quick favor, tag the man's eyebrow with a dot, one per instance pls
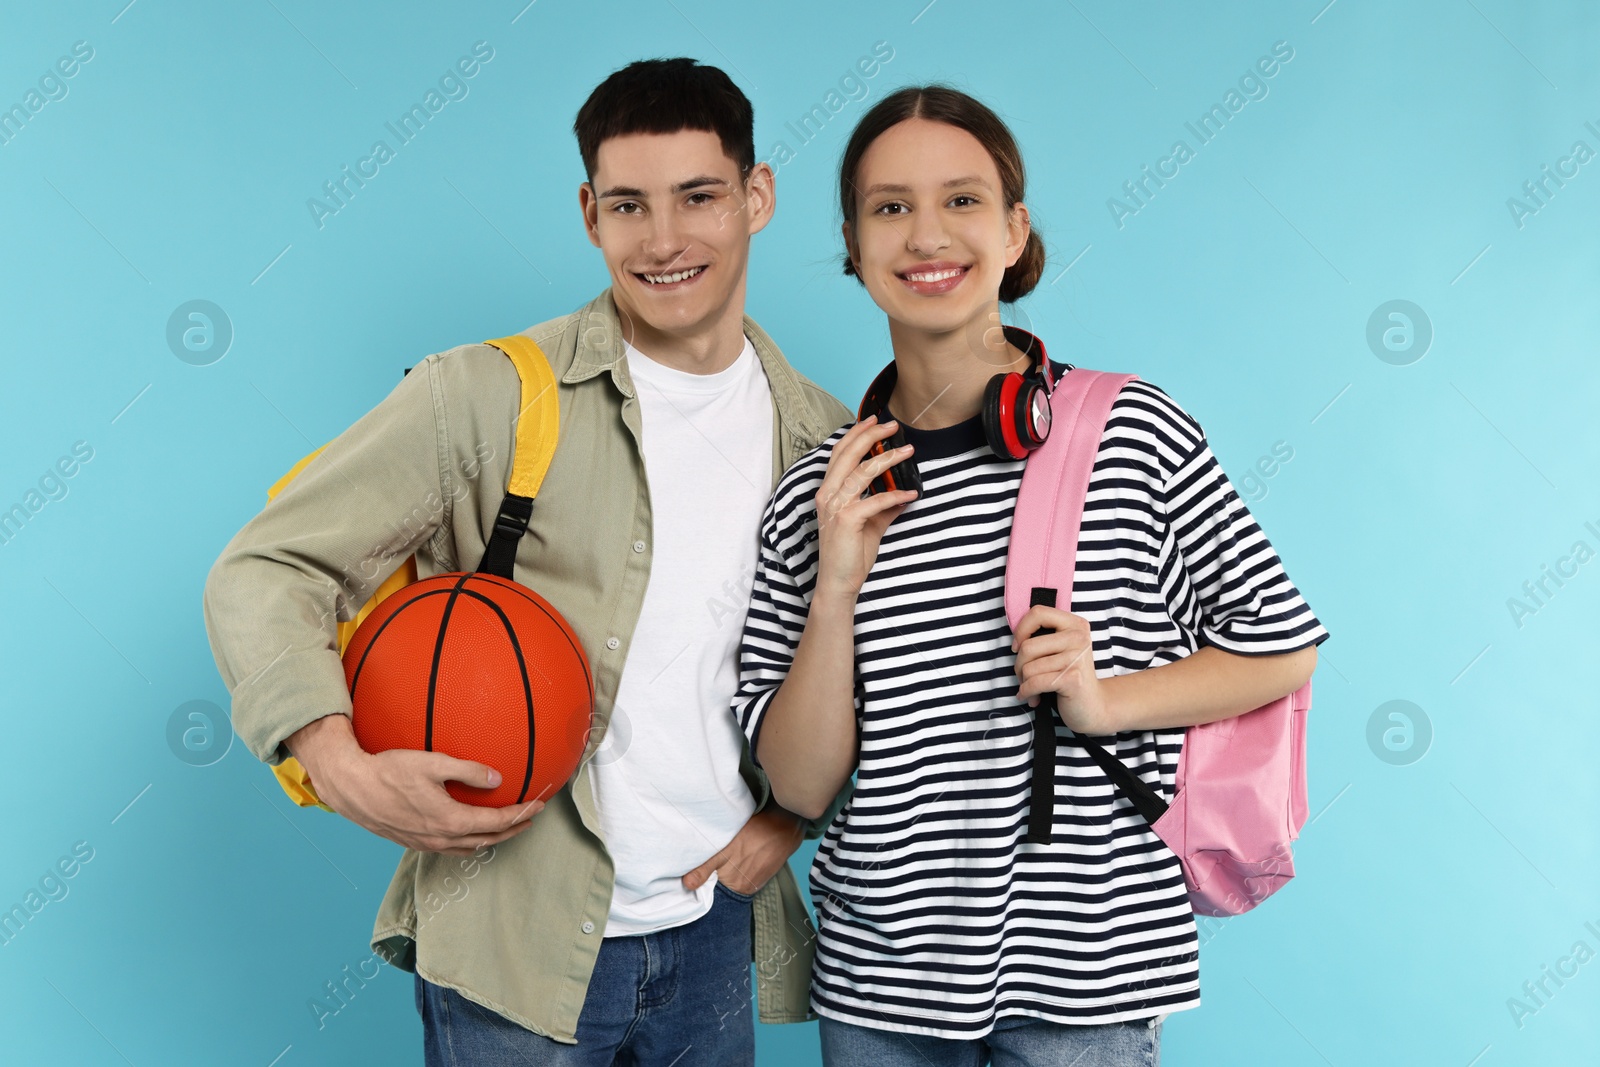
(697, 182)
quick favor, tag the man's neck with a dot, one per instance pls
(711, 346)
(940, 377)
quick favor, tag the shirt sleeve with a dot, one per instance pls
(772, 629)
(780, 602)
(313, 555)
(1233, 592)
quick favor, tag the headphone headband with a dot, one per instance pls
(1030, 345)
(876, 399)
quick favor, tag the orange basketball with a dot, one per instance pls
(480, 668)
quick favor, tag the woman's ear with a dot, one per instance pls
(850, 247)
(1018, 226)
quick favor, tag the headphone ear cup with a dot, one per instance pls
(1000, 420)
(991, 416)
(1031, 432)
(903, 475)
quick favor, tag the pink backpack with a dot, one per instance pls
(1240, 797)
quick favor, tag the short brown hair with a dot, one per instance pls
(665, 96)
(941, 103)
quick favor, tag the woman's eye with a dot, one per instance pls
(891, 209)
(963, 200)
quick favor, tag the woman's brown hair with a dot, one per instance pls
(941, 103)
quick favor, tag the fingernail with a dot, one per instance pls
(494, 777)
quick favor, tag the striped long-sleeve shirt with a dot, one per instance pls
(935, 916)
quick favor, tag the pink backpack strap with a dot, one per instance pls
(1239, 798)
(1043, 555)
(1044, 531)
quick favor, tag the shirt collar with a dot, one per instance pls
(600, 348)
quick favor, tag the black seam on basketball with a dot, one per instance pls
(438, 654)
(365, 652)
(583, 660)
(527, 687)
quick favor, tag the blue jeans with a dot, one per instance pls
(1014, 1042)
(678, 997)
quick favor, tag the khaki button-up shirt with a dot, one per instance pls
(517, 927)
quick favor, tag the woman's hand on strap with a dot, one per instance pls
(1204, 686)
(1062, 663)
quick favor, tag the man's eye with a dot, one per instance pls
(627, 207)
(700, 198)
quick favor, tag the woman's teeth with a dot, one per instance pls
(675, 276)
(933, 276)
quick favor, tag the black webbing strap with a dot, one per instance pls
(1141, 796)
(1041, 809)
(500, 554)
(1042, 805)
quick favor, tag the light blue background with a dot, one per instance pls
(1418, 500)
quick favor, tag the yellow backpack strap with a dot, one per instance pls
(538, 428)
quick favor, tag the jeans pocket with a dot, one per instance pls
(736, 895)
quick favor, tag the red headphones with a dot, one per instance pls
(1015, 414)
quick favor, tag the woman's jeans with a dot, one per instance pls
(678, 997)
(1014, 1042)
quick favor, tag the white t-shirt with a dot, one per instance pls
(667, 781)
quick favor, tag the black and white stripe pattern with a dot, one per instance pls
(934, 915)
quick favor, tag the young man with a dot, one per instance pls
(617, 921)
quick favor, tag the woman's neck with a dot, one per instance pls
(940, 377)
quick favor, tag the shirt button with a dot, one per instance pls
(588, 927)
(613, 644)
(638, 546)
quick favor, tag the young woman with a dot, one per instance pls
(877, 644)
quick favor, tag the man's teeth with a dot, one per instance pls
(675, 276)
(934, 275)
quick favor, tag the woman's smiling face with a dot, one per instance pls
(932, 236)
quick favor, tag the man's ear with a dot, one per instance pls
(760, 196)
(589, 204)
(1018, 226)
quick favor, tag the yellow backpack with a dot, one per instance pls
(538, 426)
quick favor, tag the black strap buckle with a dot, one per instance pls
(500, 554)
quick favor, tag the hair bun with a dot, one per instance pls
(1021, 277)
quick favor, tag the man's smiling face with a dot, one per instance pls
(673, 218)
